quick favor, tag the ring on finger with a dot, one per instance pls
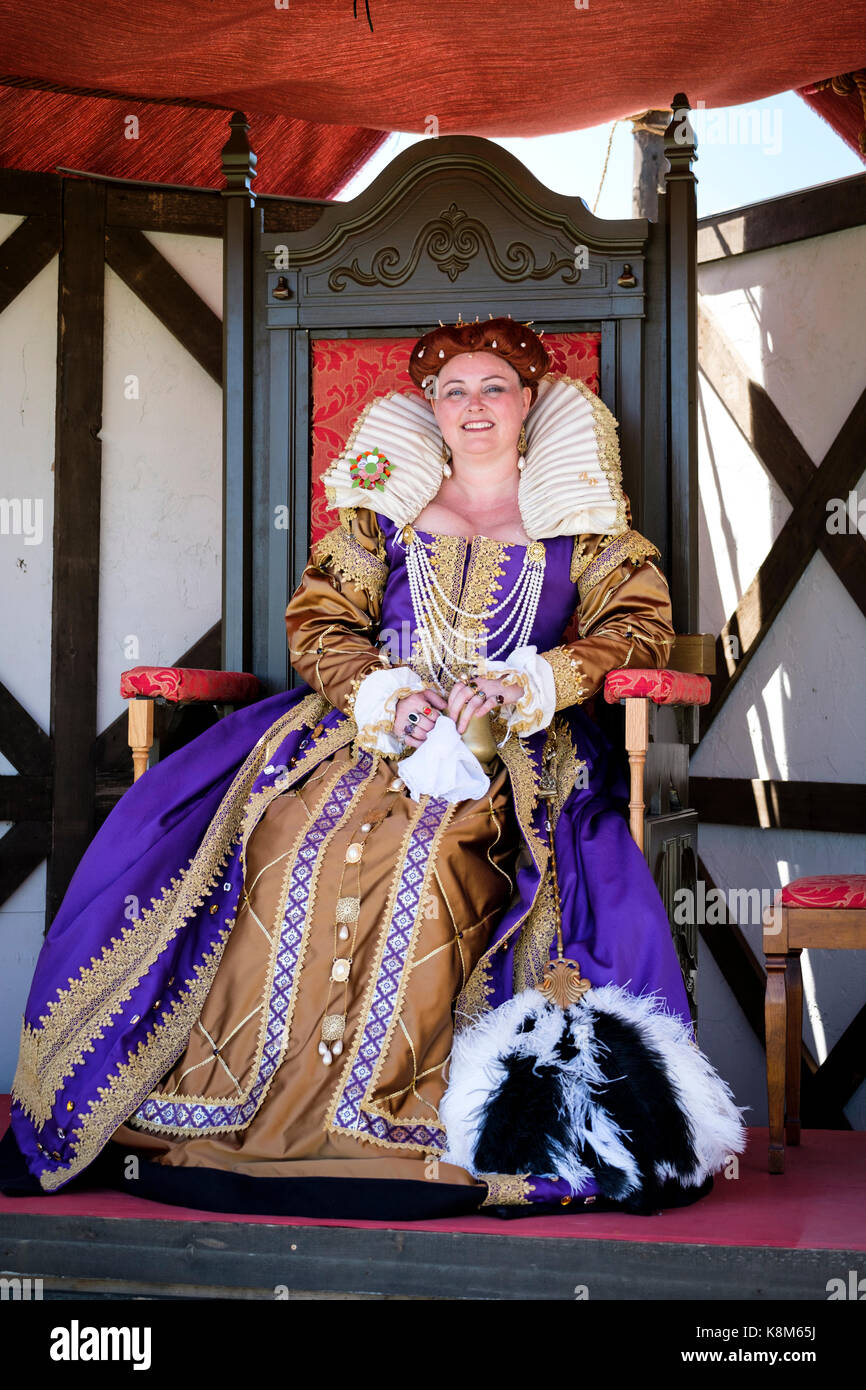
(413, 717)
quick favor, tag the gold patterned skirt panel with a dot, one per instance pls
(295, 1131)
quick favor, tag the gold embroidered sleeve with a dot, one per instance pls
(333, 616)
(623, 617)
(344, 551)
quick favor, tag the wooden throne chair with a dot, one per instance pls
(317, 320)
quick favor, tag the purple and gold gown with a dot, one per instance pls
(177, 1003)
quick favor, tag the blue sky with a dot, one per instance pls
(747, 153)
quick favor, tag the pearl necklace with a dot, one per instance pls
(436, 633)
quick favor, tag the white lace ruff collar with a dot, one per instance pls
(571, 482)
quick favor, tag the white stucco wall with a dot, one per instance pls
(161, 514)
(161, 523)
(795, 317)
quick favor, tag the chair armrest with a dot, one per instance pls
(185, 685)
(662, 687)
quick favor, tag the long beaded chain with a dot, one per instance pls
(436, 632)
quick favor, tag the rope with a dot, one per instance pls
(604, 170)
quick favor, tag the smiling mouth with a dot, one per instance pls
(477, 425)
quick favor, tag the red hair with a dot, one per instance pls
(513, 341)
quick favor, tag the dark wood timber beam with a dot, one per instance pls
(191, 212)
(844, 1070)
(787, 559)
(77, 489)
(832, 807)
(25, 798)
(770, 436)
(808, 212)
(238, 166)
(23, 192)
(22, 741)
(24, 253)
(167, 295)
(682, 363)
(737, 961)
(22, 850)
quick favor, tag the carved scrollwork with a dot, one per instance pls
(452, 241)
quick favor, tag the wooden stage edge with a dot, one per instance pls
(755, 1238)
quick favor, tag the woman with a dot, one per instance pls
(276, 1032)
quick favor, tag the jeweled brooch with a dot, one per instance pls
(370, 470)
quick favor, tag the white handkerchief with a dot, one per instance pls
(443, 766)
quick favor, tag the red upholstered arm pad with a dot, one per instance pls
(184, 685)
(826, 890)
(662, 687)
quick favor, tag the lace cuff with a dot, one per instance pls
(375, 706)
(537, 705)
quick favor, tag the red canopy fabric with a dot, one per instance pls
(42, 130)
(841, 101)
(490, 69)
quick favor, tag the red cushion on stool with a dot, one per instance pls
(662, 687)
(826, 890)
(186, 685)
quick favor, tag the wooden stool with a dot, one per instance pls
(827, 911)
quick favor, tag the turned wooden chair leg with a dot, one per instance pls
(140, 734)
(637, 742)
(793, 1045)
(775, 1030)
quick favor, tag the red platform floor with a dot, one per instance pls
(818, 1203)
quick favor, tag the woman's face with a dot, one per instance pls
(480, 403)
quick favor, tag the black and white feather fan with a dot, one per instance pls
(612, 1088)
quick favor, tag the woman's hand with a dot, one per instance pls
(464, 703)
(419, 700)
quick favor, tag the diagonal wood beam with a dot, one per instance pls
(789, 555)
(24, 253)
(773, 441)
(737, 961)
(25, 798)
(22, 850)
(844, 1070)
(175, 303)
(22, 740)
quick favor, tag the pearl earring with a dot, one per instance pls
(446, 470)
